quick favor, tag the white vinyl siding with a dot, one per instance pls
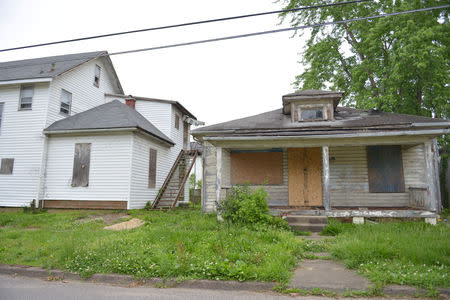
(26, 96)
(66, 102)
(21, 138)
(140, 193)
(84, 94)
(109, 176)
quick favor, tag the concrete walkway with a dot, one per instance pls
(328, 275)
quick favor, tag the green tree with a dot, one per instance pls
(396, 64)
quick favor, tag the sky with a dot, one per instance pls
(217, 82)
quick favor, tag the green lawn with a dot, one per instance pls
(172, 244)
(408, 253)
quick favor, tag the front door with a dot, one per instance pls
(305, 176)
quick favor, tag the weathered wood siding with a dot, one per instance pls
(349, 177)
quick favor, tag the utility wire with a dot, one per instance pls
(182, 25)
(258, 33)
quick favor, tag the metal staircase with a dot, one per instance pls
(173, 187)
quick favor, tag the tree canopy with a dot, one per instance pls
(396, 64)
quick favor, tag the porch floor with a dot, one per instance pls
(355, 212)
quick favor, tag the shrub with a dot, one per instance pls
(246, 206)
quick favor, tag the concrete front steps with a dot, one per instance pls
(307, 223)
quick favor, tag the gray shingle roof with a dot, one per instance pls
(111, 115)
(312, 93)
(276, 123)
(44, 67)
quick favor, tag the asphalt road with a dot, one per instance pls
(12, 288)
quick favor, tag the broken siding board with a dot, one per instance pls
(81, 163)
(152, 168)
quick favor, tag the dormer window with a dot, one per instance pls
(311, 105)
(310, 114)
(97, 75)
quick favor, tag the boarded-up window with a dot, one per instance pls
(385, 169)
(177, 121)
(7, 166)
(257, 167)
(1, 113)
(81, 162)
(152, 169)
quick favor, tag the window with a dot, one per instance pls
(311, 114)
(97, 75)
(257, 167)
(1, 113)
(81, 162)
(7, 166)
(152, 169)
(177, 121)
(26, 97)
(66, 102)
(385, 166)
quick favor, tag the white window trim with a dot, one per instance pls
(60, 103)
(20, 96)
(99, 75)
(2, 104)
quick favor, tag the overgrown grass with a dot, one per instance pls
(407, 253)
(172, 244)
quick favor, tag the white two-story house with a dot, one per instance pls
(70, 138)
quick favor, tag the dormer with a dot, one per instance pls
(311, 105)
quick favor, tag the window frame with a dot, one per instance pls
(177, 121)
(2, 109)
(3, 170)
(379, 167)
(61, 102)
(301, 108)
(97, 82)
(152, 167)
(22, 87)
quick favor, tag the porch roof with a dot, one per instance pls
(347, 120)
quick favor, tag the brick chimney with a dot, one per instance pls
(131, 102)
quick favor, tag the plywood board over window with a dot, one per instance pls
(81, 163)
(7, 165)
(152, 169)
(385, 167)
(257, 167)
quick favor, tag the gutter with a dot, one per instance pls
(434, 124)
(125, 129)
(30, 80)
(327, 136)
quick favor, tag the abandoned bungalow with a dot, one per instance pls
(319, 159)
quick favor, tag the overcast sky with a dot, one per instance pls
(217, 82)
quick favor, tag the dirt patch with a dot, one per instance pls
(133, 223)
(107, 218)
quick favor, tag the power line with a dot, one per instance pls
(182, 25)
(259, 33)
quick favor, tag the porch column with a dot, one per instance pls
(432, 158)
(326, 178)
(218, 175)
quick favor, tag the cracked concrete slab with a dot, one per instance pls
(327, 274)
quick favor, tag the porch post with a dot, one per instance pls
(433, 185)
(218, 175)
(326, 178)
